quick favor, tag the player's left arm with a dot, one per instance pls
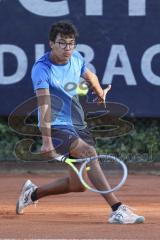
(92, 79)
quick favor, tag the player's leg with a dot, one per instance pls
(67, 184)
(75, 184)
(81, 149)
(121, 214)
(31, 193)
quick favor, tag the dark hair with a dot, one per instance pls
(65, 28)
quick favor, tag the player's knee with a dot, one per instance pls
(89, 151)
(83, 151)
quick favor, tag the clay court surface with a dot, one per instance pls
(78, 215)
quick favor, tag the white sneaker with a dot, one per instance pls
(124, 215)
(25, 196)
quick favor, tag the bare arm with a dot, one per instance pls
(94, 82)
(44, 105)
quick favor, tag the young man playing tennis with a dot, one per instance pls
(60, 113)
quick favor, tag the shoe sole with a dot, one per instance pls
(17, 209)
(22, 192)
(138, 220)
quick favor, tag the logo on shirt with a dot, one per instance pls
(39, 82)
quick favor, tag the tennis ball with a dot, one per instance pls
(82, 89)
(88, 168)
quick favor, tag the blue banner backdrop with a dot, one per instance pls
(120, 41)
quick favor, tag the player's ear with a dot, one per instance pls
(51, 44)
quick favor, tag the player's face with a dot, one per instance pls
(62, 48)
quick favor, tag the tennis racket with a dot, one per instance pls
(106, 173)
(100, 169)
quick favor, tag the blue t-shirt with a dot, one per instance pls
(62, 81)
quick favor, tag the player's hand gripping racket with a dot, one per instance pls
(106, 172)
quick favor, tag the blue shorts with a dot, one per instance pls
(63, 138)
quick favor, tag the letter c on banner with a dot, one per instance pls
(45, 8)
(146, 65)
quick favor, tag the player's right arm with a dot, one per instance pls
(40, 80)
(44, 106)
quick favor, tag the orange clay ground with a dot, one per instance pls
(78, 215)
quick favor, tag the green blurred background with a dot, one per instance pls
(140, 145)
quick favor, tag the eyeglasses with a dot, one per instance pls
(63, 45)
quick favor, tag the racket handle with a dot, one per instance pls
(59, 158)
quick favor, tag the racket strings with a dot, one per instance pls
(97, 176)
(104, 174)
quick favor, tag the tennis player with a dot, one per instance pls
(61, 119)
